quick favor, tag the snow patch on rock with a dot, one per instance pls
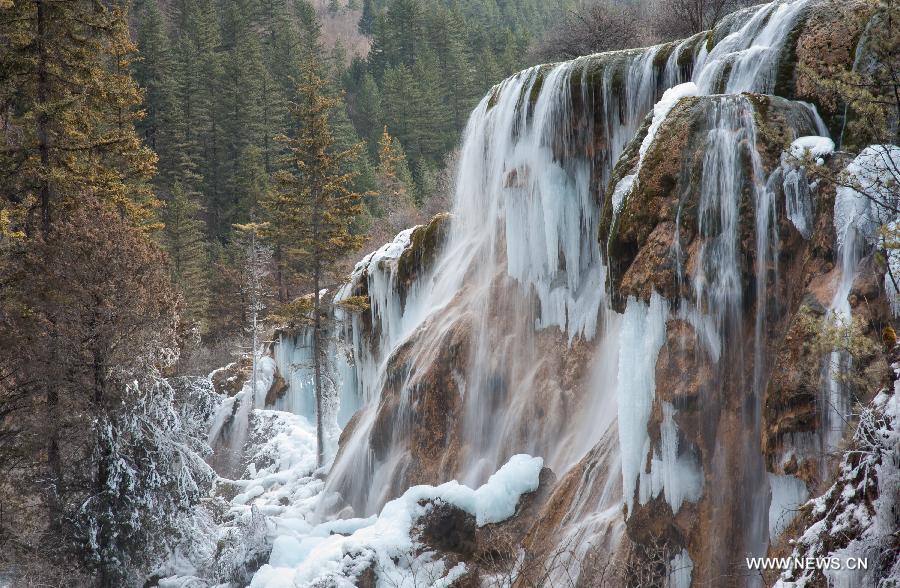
(336, 552)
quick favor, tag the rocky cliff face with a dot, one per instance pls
(632, 285)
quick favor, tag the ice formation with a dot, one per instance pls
(788, 495)
(681, 567)
(642, 335)
(335, 552)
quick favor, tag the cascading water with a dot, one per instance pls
(230, 427)
(520, 285)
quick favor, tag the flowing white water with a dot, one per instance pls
(522, 264)
(230, 426)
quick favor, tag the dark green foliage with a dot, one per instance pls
(183, 239)
(430, 63)
(218, 76)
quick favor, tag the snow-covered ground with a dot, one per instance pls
(274, 528)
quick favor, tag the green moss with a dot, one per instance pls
(536, 87)
(785, 76)
(355, 304)
(721, 83)
(686, 57)
(658, 184)
(761, 105)
(618, 82)
(423, 247)
(662, 56)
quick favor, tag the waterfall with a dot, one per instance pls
(521, 260)
(520, 285)
(231, 424)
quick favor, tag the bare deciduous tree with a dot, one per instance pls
(592, 26)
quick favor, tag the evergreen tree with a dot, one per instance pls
(154, 72)
(122, 475)
(242, 114)
(312, 210)
(394, 178)
(366, 111)
(183, 239)
(69, 106)
(367, 20)
(447, 34)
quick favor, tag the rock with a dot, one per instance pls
(517, 178)
(827, 45)
(791, 399)
(368, 578)
(230, 379)
(454, 535)
(666, 193)
(277, 390)
(683, 365)
(424, 244)
(654, 267)
(654, 522)
(447, 528)
(430, 419)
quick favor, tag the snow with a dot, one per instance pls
(856, 516)
(661, 110)
(285, 484)
(815, 146)
(388, 252)
(623, 189)
(334, 552)
(642, 336)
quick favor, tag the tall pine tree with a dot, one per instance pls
(312, 211)
(69, 106)
(184, 240)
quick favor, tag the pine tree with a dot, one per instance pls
(199, 79)
(154, 72)
(100, 286)
(69, 106)
(183, 239)
(366, 112)
(312, 210)
(394, 178)
(447, 32)
(367, 20)
(242, 114)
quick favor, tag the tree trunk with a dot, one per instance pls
(279, 276)
(54, 463)
(43, 97)
(317, 369)
(102, 479)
